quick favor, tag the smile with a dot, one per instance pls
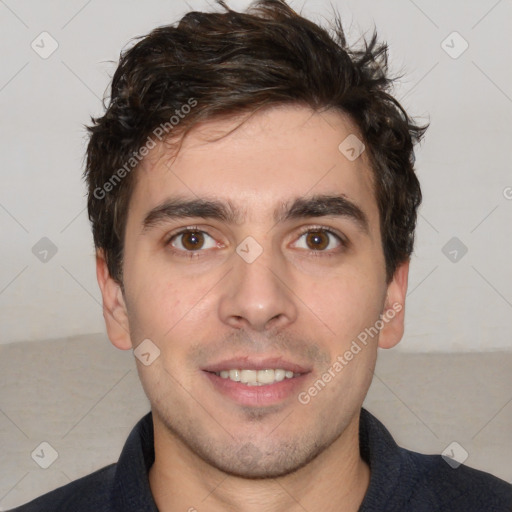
(257, 377)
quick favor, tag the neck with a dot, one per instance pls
(336, 480)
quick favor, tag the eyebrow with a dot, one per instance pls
(175, 208)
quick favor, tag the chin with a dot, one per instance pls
(249, 462)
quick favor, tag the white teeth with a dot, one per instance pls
(265, 376)
(257, 377)
(279, 375)
(234, 375)
(248, 376)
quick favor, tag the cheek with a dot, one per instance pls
(156, 302)
(167, 308)
(347, 301)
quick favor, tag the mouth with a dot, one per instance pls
(257, 377)
(252, 382)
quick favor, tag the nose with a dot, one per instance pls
(256, 295)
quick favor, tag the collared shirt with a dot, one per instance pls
(400, 480)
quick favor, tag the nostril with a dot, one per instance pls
(276, 319)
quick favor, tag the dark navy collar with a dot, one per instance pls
(131, 481)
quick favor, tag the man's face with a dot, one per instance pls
(275, 288)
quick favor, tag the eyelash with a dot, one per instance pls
(315, 254)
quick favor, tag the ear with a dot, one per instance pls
(114, 307)
(394, 308)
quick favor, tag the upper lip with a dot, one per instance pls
(256, 363)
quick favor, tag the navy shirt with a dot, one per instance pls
(401, 480)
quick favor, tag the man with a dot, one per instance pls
(253, 203)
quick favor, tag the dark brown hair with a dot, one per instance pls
(211, 65)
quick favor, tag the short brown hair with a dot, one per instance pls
(231, 63)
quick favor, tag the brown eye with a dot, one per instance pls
(317, 240)
(192, 240)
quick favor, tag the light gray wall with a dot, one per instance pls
(464, 164)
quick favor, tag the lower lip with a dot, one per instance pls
(268, 394)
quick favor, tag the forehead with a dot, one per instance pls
(274, 156)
